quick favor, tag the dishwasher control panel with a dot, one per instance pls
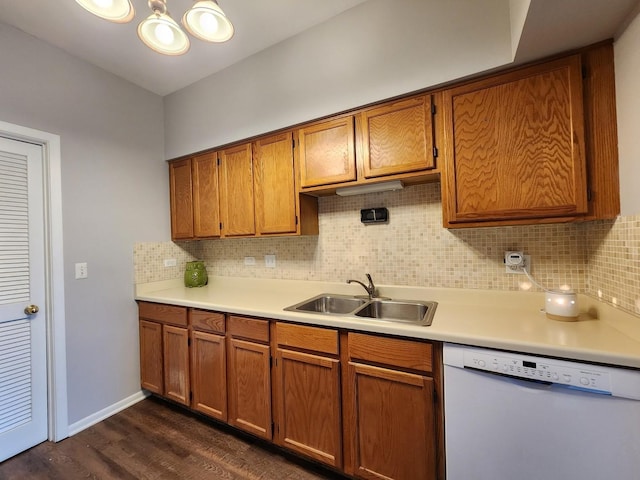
(582, 376)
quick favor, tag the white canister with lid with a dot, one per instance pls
(561, 305)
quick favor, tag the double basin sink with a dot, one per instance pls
(401, 311)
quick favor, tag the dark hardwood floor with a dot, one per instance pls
(156, 440)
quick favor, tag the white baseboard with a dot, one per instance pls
(86, 422)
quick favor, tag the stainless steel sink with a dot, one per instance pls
(412, 312)
(405, 311)
(331, 304)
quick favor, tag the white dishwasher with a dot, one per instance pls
(512, 416)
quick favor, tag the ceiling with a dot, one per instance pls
(117, 49)
(550, 26)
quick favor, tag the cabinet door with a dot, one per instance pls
(309, 420)
(249, 387)
(180, 191)
(274, 184)
(514, 146)
(236, 191)
(206, 216)
(151, 357)
(326, 153)
(397, 137)
(394, 421)
(176, 364)
(208, 370)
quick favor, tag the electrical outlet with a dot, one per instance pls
(516, 262)
(270, 261)
(170, 262)
(82, 271)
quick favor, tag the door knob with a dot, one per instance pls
(31, 309)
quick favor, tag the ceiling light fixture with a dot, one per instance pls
(118, 11)
(204, 20)
(161, 33)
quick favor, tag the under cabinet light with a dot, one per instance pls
(370, 188)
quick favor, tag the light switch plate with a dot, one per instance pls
(249, 260)
(170, 262)
(82, 271)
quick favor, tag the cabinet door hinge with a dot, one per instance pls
(293, 143)
(296, 219)
(190, 396)
(585, 73)
(433, 109)
(435, 152)
(220, 225)
(218, 161)
(589, 195)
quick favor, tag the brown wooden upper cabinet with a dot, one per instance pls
(237, 209)
(180, 189)
(206, 210)
(275, 195)
(240, 191)
(389, 141)
(327, 152)
(514, 148)
(194, 197)
(397, 137)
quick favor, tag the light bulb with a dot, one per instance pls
(118, 11)
(164, 34)
(104, 3)
(208, 22)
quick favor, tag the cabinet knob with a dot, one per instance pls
(31, 309)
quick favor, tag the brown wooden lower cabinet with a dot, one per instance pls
(175, 342)
(362, 404)
(164, 351)
(249, 376)
(151, 376)
(389, 410)
(308, 393)
(209, 374)
(394, 424)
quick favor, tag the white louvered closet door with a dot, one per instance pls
(23, 369)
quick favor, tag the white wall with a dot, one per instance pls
(378, 49)
(627, 64)
(114, 193)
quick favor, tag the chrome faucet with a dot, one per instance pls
(371, 288)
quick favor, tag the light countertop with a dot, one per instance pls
(487, 318)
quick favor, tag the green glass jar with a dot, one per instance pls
(195, 274)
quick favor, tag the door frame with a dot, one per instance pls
(58, 422)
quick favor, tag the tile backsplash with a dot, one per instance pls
(414, 249)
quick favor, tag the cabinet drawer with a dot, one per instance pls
(249, 328)
(391, 351)
(308, 338)
(163, 313)
(205, 321)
